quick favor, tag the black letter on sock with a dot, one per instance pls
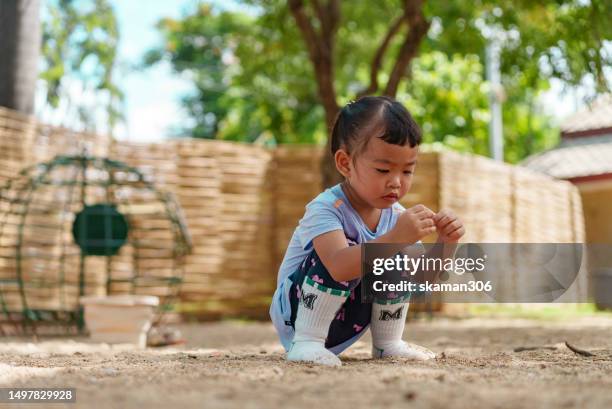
(308, 300)
(387, 315)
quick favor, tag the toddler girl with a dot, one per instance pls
(317, 308)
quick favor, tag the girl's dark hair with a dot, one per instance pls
(370, 116)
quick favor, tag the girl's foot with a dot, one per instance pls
(314, 352)
(403, 349)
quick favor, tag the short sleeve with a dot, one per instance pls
(398, 208)
(319, 218)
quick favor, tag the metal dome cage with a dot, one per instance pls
(82, 225)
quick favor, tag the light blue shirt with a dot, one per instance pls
(329, 211)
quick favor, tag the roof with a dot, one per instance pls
(586, 146)
(596, 117)
(576, 158)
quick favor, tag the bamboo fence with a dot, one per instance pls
(242, 202)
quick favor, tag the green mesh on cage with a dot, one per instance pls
(81, 225)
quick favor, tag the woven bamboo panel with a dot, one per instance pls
(38, 232)
(224, 190)
(543, 210)
(241, 204)
(577, 219)
(580, 287)
(157, 161)
(245, 224)
(25, 141)
(48, 216)
(17, 131)
(425, 186)
(425, 190)
(547, 211)
(479, 191)
(297, 181)
(148, 261)
(199, 193)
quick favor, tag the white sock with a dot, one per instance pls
(316, 311)
(387, 326)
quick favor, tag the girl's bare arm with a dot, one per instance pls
(344, 262)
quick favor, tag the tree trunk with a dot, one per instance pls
(20, 39)
(320, 46)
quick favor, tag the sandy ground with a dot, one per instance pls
(241, 365)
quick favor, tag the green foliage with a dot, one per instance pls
(197, 45)
(449, 98)
(259, 84)
(80, 44)
(541, 39)
(249, 82)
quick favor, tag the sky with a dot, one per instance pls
(153, 95)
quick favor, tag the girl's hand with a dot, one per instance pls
(413, 224)
(450, 228)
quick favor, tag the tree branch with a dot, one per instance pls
(320, 50)
(378, 57)
(312, 40)
(329, 17)
(333, 11)
(417, 28)
(322, 16)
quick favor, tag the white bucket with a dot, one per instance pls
(120, 319)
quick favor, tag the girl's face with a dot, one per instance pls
(381, 174)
